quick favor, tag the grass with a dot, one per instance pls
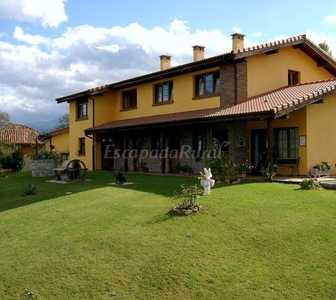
(255, 240)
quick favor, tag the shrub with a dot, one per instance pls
(188, 199)
(221, 167)
(12, 159)
(310, 184)
(268, 175)
(30, 189)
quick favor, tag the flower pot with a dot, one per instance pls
(242, 174)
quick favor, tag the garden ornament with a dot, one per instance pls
(207, 183)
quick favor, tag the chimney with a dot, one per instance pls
(237, 41)
(164, 62)
(198, 52)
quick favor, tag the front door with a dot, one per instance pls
(259, 149)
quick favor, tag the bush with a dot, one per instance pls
(310, 184)
(12, 159)
(221, 167)
(268, 175)
(189, 200)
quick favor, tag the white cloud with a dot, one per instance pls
(258, 34)
(330, 19)
(28, 38)
(110, 48)
(236, 29)
(34, 70)
(319, 37)
(48, 13)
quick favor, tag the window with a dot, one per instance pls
(207, 84)
(82, 109)
(164, 92)
(293, 77)
(287, 142)
(129, 99)
(81, 146)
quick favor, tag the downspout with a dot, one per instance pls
(93, 140)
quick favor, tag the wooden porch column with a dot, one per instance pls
(125, 148)
(270, 144)
(163, 159)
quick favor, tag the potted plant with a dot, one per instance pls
(189, 170)
(178, 166)
(143, 167)
(242, 168)
(44, 153)
(322, 169)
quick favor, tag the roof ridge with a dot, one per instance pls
(272, 43)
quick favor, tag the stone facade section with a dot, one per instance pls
(42, 167)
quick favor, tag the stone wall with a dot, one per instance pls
(42, 167)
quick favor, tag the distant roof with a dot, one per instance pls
(274, 104)
(301, 42)
(19, 134)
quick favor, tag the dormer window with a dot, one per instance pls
(293, 77)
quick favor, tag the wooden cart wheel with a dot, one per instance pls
(59, 172)
(76, 169)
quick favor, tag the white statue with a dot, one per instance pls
(206, 182)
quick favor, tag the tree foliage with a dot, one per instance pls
(11, 156)
(4, 119)
(63, 121)
(325, 47)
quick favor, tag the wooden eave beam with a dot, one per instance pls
(274, 51)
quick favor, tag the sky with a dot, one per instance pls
(50, 49)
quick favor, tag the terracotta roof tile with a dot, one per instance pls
(271, 44)
(19, 134)
(274, 103)
(285, 97)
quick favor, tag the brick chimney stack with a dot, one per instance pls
(198, 52)
(164, 62)
(237, 41)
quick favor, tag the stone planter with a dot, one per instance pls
(42, 167)
(316, 172)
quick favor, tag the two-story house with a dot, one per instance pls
(271, 100)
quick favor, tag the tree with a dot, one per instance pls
(63, 121)
(325, 47)
(11, 156)
(4, 119)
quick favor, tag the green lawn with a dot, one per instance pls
(254, 240)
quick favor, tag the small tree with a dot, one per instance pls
(325, 47)
(62, 121)
(4, 119)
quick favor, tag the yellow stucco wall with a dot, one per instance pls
(61, 142)
(321, 129)
(76, 131)
(295, 119)
(269, 72)
(183, 98)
